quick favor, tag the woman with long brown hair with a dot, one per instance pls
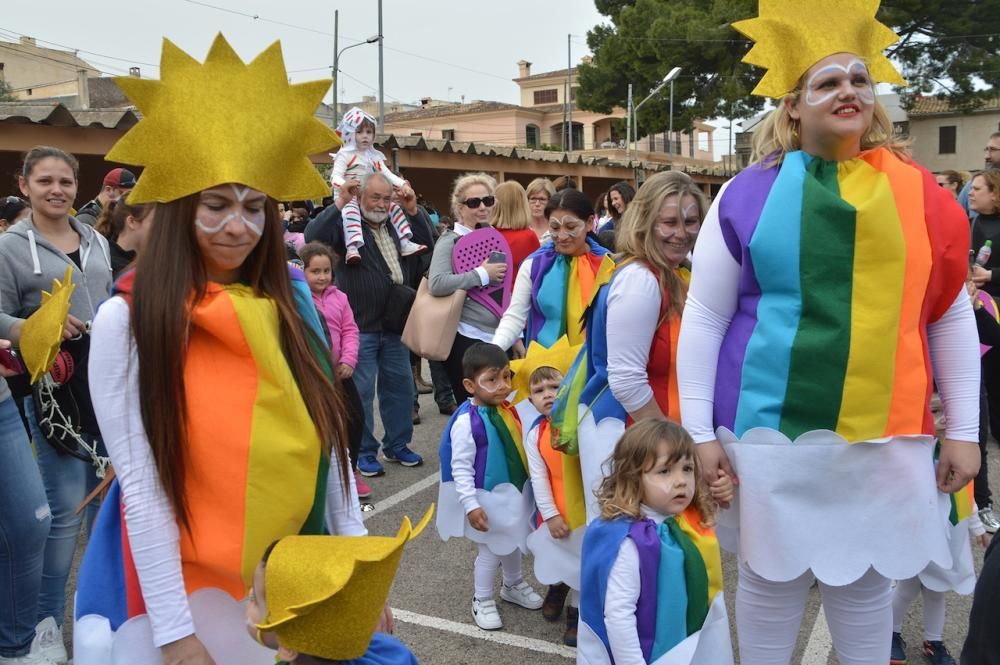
(216, 395)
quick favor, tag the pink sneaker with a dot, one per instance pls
(364, 491)
(353, 256)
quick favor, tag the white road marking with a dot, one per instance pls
(820, 644)
(390, 501)
(468, 630)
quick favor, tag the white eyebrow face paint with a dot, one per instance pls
(255, 225)
(865, 93)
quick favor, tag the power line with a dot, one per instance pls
(12, 34)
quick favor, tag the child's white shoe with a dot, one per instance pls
(486, 615)
(353, 256)
(521, 594)
(408, 248)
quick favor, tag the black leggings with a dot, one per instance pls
(453, 366)
(355, 419)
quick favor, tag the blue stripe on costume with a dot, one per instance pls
(101, 585)
(444, 451)
(385, 650)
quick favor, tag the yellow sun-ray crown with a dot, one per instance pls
(559, 356)
(42, 332)
(224, 121)
(793, 35)
(325, 593)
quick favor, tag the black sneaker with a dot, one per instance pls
(897, 654)
(937, 653)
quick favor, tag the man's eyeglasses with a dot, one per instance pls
(991, 148)
(476, 201)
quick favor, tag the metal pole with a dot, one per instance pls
(569, 91)
(628, 125)
(671, 151)
(381, 89)
(336, 72)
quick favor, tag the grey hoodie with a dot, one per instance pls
(29, 263)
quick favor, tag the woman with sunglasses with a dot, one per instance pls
(555, 284)
(472, 201)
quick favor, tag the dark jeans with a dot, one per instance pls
(982, 645)
(443, 395)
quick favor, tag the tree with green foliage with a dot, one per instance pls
(6, 92)
(950, 48)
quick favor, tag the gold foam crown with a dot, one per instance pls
(324, 594)
(224, 121)
(42, 332)
(559, 356)
(792, 35)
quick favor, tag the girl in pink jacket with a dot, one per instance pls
(318, 263)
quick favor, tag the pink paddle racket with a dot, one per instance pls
(469, 253)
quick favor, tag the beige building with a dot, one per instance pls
(35, 72)
(539, 122)
(945, 138)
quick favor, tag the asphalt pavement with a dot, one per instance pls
(432, 594)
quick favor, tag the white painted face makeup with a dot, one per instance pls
(212, 223)
(824, 84)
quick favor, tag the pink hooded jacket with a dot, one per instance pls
(344, 337)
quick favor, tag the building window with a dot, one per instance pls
(946, 140)
(448, 134)
(416, 133)
(550, 96)
(531, 134)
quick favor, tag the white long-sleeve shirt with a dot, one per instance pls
(712, 302)
(512, 322)
(540, 485)
(463, 461)
(365, 162)
(634, 303)
(622, 598)
(153, 534)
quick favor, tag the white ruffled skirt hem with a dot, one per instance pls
(507, 509)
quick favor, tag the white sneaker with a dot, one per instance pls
(521, 594)
(408, 248)
(486, 615)
(48, 643)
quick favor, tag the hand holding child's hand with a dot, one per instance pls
(722, 488)
(478, 520)
(344, 371)
(557, 527)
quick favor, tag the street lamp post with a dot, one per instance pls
(669, 78)
(336, 70)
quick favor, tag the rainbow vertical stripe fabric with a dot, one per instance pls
(843, 265)
(500, 456)
(246, 419)
(562, 288)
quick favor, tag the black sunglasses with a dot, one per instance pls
(475, 201)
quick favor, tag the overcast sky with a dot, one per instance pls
(469, 47)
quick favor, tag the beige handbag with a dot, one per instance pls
(433, 322)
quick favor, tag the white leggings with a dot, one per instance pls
(769, 615)
(904, 595)
(485, 571)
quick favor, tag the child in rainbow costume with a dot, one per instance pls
(652, 572)
(318, 598)
(556, 484)
(166, 572)
(826, 299)
(484, 493)
(357, 158)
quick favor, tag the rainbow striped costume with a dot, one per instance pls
(680, 572)
(245, 420)
(843, 265)
(562, 288)
(500, 472)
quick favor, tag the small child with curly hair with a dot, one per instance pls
(651, 570)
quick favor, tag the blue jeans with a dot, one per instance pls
(384, 362)
(67, 481)
(24, 526)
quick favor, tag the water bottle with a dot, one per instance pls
(984, 253)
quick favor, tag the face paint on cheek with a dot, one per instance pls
(256, 225)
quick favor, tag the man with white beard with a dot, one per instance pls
(376, 288)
